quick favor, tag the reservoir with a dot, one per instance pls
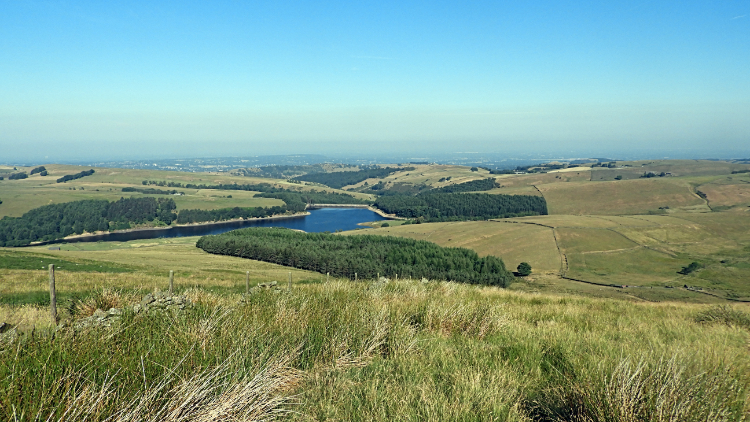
(319, 220)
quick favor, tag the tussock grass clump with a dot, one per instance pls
(227, 391)
(105, 299)
(724, 314)
(677, 389)
(403, 350)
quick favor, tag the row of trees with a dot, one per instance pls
(338, 180)
(56, 221)
(39, 170)
(149, 191)
(224, 214)
(464, 206)
(366, 256)
(259, 187)
(18, 176)
(472, 186)
(70, 177)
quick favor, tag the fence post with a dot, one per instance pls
(327, 275)
(396, 277)
(171, 282)
(378, 279)
(52, 294)
(355, 276)
(247, 282)
(290, 281)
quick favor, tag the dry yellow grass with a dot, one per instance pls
(620, 197)
(727, 195)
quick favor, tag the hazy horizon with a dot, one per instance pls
(137, 80)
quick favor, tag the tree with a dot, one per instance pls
(382, 225)
(690, 268)
(618, 177)
(18, 176)
(474, 169)
(524, 269)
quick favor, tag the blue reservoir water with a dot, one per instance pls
(319, 220)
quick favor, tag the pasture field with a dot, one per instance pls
(20, 196)
(644, 251)
(135, 267)
(676, 168)
(623, 197)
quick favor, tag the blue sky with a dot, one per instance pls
(111, 79)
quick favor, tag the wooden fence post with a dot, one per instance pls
(327, 275)
(247, 282)
(52, 294)
(355, 276)
(171, 282)
(290, 281)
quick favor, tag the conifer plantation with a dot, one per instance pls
(56, 221)
(465, 206)
(366, 256)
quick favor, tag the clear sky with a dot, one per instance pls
(112, 79)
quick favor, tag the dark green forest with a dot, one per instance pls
(463, 206)
(56, 221)
(338, 180)
(297, 201)
(70, 177)
(224, 214)
(472, 186)
(367, 255)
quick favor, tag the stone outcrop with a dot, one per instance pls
(152, 302)
(161, 301)
(100, 319)
(272, 286)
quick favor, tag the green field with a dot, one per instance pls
(644, 251)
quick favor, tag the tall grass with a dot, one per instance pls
(396, 351)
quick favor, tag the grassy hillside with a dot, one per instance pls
(429, 175)
(372, 351)
(622, 197)
(594, 191)
(20, 196)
